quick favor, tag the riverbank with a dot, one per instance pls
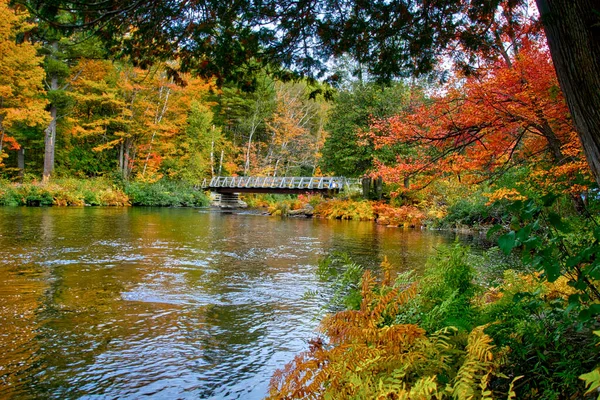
(463, 217)
(100, 192)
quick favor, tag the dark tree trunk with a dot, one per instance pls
(573, 32)
(50, 144)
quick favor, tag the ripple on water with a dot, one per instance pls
(173, 303)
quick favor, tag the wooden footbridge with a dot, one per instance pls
(277, 184)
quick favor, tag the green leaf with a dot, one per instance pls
(549, 199)
(595, 309)
(592, 380)
(530, 210)
(597, 233)
(593, 270)
(589, 313)
(524, 233)
(557, 222)
(552, 270)
(516, 206)
(574, 299)
(573, 261)
(493, 230)
(507, 242)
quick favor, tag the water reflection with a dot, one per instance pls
(166, 303)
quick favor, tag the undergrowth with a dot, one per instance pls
(63, 192)
(447, 334)
(99, 192)
(165, 193)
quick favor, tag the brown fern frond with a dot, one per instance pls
(368, 283)
(407, 294)
(386, 267)
(400, 336)
(386, 303)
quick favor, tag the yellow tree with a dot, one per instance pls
(296, 132)
(21, 77)
(132, 117)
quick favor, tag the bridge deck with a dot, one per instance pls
(275, 184)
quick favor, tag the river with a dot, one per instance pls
(167, 303)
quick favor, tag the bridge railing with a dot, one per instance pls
(277, 182)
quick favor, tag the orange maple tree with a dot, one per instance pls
(511, 112)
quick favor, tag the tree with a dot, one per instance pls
(226, 39)
(348, 150)
(573, 32)
(244, 116)
(21, 76)
(509, 115)
(133, 117)
(296, 130)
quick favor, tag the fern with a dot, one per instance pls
(367, 357)
(476, 368)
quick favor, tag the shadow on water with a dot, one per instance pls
(167, 303)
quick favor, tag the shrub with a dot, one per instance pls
(407, 216)
(165, 194)
(366, 357)
(445, 336)
(345, 209)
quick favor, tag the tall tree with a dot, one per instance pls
(509, 115)
(224, 39)
(573, 32)
(244, 116)
(296, 130)
(21, 77)
(348, 150)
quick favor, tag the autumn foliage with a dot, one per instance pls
(21, 77)
(407, 215)
(509, 113)
(364, 355)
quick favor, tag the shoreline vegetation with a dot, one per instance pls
(472, 327)
(468, 217)
(100, 192)
(462, 215)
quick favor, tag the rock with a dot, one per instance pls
(309, 210)
(306, 211)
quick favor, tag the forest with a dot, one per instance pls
(471, 113)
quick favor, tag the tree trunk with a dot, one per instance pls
(221, 163)
(50, 141)
(126, 161)
(573, 32)
(21, 162)
(1, 141)
(121, 155)
(212, 151)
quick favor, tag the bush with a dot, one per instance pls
(366, 356)
(165, 194)
(407, 216)
(446, 337)
(345, 209)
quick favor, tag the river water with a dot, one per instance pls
(167, 303)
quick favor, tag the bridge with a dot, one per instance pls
(229, 187)
(276, 184)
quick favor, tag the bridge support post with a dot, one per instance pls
(231, 200)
